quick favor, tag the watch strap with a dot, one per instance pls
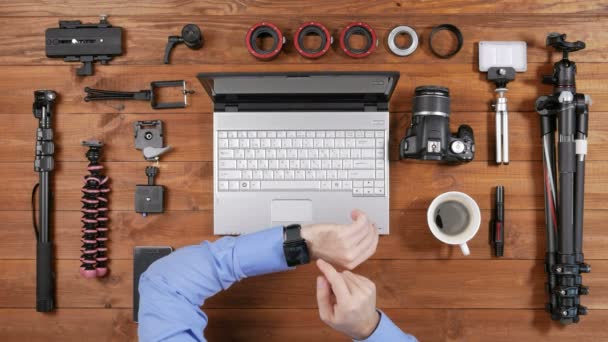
(294, 246)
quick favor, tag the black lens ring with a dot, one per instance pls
(455, 30)
(360, 30)
(262, 30)
(432, 90)
(314, 30)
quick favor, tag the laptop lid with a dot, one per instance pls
(300, 91)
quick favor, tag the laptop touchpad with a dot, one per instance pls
(291, 211)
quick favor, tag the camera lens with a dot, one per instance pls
(432, 100)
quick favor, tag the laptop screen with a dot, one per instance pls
(299, 91)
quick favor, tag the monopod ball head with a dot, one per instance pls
(101, 271)
(192, 36)
(88, 273)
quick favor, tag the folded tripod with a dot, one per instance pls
(567, 112)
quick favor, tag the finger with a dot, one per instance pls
(359, 227)
(354, 285)
(371, 234)
(358, 232)
(324, 299)
(361, 281)
(355, 213)
(335, 280)
(366, 249)
(371, 248)
(358, 216)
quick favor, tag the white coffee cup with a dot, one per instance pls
(454, 218)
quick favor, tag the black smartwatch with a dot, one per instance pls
(294, 247)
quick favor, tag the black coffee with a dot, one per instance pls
(452, 217)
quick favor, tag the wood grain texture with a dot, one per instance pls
(436, 284)
(409, 239)
(191, 136)
(278, 325)
(294, 7)
(469, 90)
(190, 184)
(224, 38)
(427, 288)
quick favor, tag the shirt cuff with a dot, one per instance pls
(261, 252)
(387, 331)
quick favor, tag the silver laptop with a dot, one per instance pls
(299, 148)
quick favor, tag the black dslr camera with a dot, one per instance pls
(429, 138)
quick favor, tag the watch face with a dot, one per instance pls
(297, 255)
(294, 247)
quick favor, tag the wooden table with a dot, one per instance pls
(427, 288)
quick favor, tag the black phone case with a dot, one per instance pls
(143, 257)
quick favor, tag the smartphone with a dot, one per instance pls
(143, 257)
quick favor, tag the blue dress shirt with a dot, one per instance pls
(174, 288)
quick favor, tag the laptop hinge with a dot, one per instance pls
(231, 108)
(368, 107)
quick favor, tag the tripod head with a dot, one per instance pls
(559, 43)
(43, 106)
(564, 71)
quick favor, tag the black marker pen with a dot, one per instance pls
(499, 221)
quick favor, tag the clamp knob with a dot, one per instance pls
(153, 153)
(191, 36)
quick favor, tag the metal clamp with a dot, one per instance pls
(149, 139)
(143, 95)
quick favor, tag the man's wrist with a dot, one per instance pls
(308, 234)
(371, 326)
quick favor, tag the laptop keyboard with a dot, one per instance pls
(346, 161)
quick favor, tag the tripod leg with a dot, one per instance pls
(582, 121)
(548, 145)
(566, 165)
(45, 279)
(505, 136)
(498, 137)
(579, 198)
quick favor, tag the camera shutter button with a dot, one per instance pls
(457, 147)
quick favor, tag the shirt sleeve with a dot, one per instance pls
(388, 331)
(174, 287)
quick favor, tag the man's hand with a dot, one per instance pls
(343, 245)
(347, 301)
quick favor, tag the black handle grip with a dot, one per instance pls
(171, 42)
(45, 278)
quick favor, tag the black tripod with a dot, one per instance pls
(44, 164)
(567, 111)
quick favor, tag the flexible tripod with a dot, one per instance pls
(94, 258)
(567, 112)
(43, 164)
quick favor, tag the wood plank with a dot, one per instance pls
(381, 8)
(304, 325)
(400, 283)
(409, 238)
(427, 325)
(427, 288)
(146, 38)
(191, 136)
(189, 185)
(67, 325)
(413, 184)
(469, 90)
